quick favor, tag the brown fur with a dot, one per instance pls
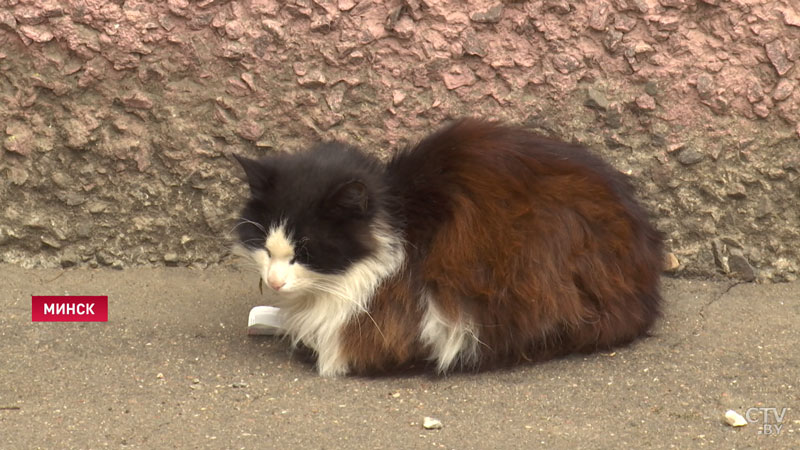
(538, 241)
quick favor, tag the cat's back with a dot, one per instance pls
(505, 172)
(472, 150)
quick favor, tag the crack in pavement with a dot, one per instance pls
(696, 331)
(699, 327)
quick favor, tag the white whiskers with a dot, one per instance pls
(243, 221)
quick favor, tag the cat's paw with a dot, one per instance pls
(332, 370)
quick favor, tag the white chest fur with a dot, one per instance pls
(319, 306)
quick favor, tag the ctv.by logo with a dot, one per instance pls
(770, 418)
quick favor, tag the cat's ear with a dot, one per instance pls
(350, 197)
(259, 176)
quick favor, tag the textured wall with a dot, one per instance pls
(117, 117)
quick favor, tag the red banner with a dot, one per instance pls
(69, 308)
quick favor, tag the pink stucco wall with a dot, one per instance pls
(117, 117)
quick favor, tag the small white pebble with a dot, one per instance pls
(429, 423)
(735, 419)
(160, 376)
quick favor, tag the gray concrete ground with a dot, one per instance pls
(173, 368)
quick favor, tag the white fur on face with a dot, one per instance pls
(275, 263)
(278, 268)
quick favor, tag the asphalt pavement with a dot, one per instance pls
(174, 368)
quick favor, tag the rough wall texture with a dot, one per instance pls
(117, 118)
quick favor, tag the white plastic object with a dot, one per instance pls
(264, 320)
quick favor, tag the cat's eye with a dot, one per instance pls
(293, 260)
(269, 254)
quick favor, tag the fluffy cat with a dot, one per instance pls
(482, 245)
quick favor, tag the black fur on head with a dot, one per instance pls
(327, 197)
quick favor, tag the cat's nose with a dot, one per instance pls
(277, 285)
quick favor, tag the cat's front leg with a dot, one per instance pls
(331, 362)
